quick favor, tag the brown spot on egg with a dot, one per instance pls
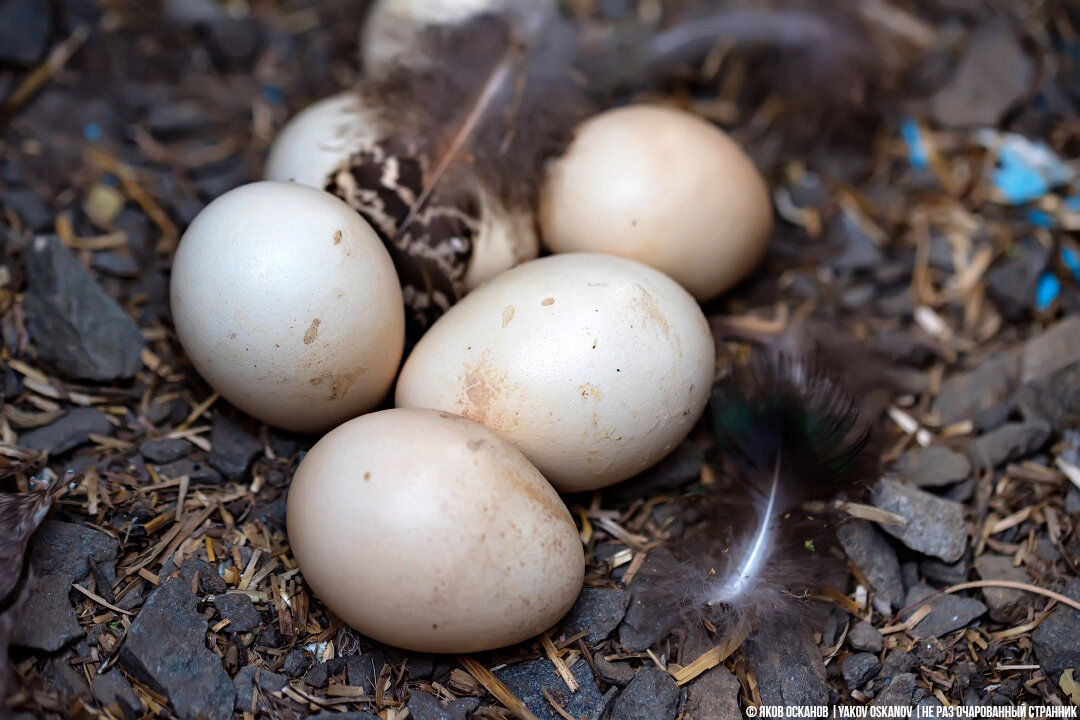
(475, 445)
(508, 315)
(547, 301)
(485, 386)
(337, 237)
(312, 332)
(339, 383)
(590, 392)
(367, 476)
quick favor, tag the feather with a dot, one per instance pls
(789, 434)
(20, 516)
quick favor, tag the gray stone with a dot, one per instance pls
(197, 472)
(934, 526)
(1011, 441)
(944, 573)
(75, 326)
(166, 649)
(70, 431)
(789, 671)
(613, 673)
(68, 550)
(238, 609)
(425, 706)
(933, 466)
(872, 553)
(859, 668)
(244, 686)
(24, 31)
(112, 689)
(47, 621)
(597, 610)
(714, 695)
(641, 628)
(363, 670)
(651, 695)
(864, 636)
(165, 451)
(899, 690)
(1055, 640)
(296, 663)
(344, 716)
(964, 394)
(1006, 605)
(232, 448)
(992, 76)
(529, 679)
(947, 612)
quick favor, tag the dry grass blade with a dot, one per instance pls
(494, 686)
(1009, 584)
(711, 658)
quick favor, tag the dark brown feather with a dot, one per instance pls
(20, 516)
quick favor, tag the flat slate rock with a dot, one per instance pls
(529, 679)
(232, 448)
(67, 432)
(612, 672)
(651, 695)
(1055, 640)
(24, 30)
(67, 550)
(598, 610)
(935, 526)
(963, 395)
(934, 466)
(859, 668)
(872, 553)
(166, 649)
(425, 706)
(1010, 441)
(47, 621)
(947, 612)
(238, 609)
(640, 628)
(899, 690)
(112, 688)
(165, 451)
(992, 76)
(1005, 605)
(363, 670)
(864, 636)
(244, 685)
(76, 328)
(790, 672)
(713, 695)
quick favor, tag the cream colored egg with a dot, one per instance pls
(593, 366)
(663, 187)
(319, 138)
(426, 531)
(287, 303)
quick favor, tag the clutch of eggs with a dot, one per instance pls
(287, 303)
(663, 187)
(426, 531)
(594, 366)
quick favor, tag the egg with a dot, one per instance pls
(663, 187)
(287, 304)
(389, 36)
(426, 531)
(319, 138)
(593, 366)
(339, 144)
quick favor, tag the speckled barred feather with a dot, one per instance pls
(432, 255)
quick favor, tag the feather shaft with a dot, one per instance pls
(503, 72)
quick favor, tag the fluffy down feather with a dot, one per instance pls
(789, 434)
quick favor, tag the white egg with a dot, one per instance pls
(319, 138)
(390, 32)
(426, 531)
(287, 303)
(593, 366)
(663, 187)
